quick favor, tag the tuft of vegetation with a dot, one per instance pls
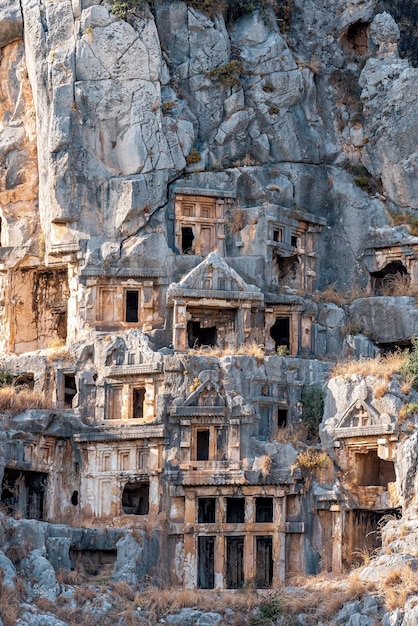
(405, 219)
(409, 367)
(383, 367)
(312, 401)
(273, 109)
(228, 74)
(122, 8)
(270, 610)
(363, 178)
(6, 379)
(194, 156)
(15, 400)
(311, 460)
(408, 410)
(282, 351)
(209, 7)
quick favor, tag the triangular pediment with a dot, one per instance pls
(214, 276)
(359, 414)
(207, 391)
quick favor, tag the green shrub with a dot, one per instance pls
(6, 379)
(409, 369)
(227, 74)
(270, 610)
(121, 8)
(312, 410)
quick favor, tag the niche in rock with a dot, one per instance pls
(392, 280)
(135, 498)
(23, 493)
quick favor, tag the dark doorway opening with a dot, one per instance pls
(138, 403)
(264, 510)
(363, 532)
(132, 301)
(187, 239)
(94, 562)
(264, 562)
(281, 418)
(70, 390)
(206, 562)
(202, 445)
(373, 471)
(24, 493)
(135, 498)
(198, 336)
(74, 498)
(234, 578)
(235, 510)
(206, 513)
(280, 332)
(393, 279)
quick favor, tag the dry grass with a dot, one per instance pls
(247, 349)
(265, 464)
(14, 400)
(381, 389)
(407, 386)
(159, 602)
(320, 597)
(10, 600)
(383, 367)
(331, 294)
(408, 410)
(237, 221)
(311, 460)
(396, 587)
(398, 285)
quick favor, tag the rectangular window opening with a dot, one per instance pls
(138, 398)
(206, 513)
(131, 311)
(294, 241)
(70, 390)
(278, 235)
(235, 510)
(202, 445)
(264, 510)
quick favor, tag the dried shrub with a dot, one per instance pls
(209, 7)
(265, 464)
(310, 460)
(237, 222)
(381, 389)
(194, 156)
(123, 590)
(380, 366)
(228, 74)
(15, 400)
(397, 586)
(405, 219)
(408, 410)
(247, 349)
(9, 605)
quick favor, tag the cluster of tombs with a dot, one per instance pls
(168, 437)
